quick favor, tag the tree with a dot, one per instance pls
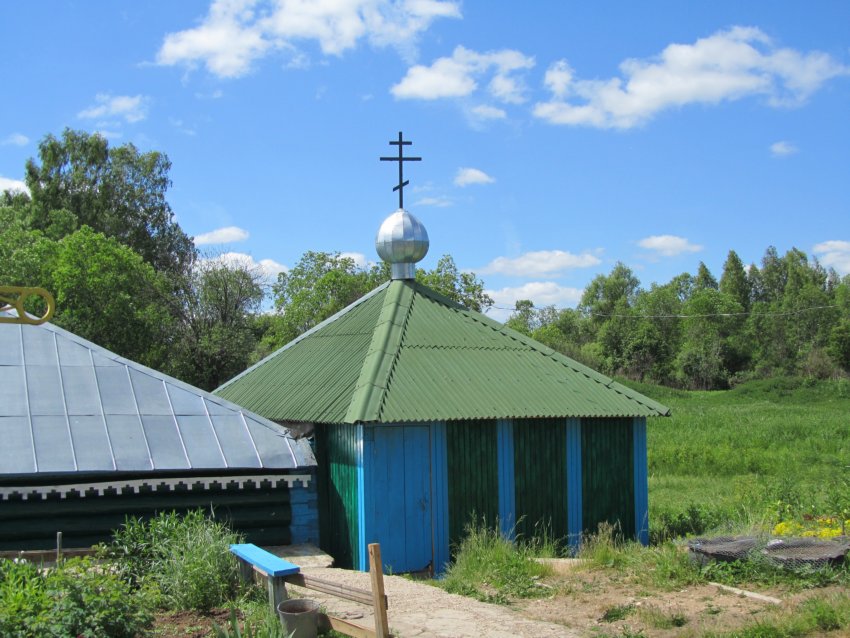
(117, 191)
(522, 319)
(320, 285)
(106, 293)
(605, 292)
(706, 355)
(704, 279)
(734, 282)
(463, 287)
(216, 336)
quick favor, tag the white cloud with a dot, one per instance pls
(226, 235)
(359, 259)
(132, 108)
(456, 76)
(668, 245)
(541, 293)
(540, 263)
(558, 78)
(235, 33)
(15, 139)
(7, 184)
(834, 254)
(439, 202)
(487, 112)
(783, 149)
(269, 267)
(467, 176)
(725, 66)
(110, 135)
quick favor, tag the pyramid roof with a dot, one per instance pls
(404, 353)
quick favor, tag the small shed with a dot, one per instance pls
(89, 438)
(429, 415)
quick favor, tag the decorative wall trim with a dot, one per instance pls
(574, 484)
(364, 451)
(507, 478)
(82, 490)
(641, 479)
(439, 497)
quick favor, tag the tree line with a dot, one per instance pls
(96, 230)
(787, 316)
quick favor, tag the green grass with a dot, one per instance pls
(764, 450)
(818, 616)
(491, 568)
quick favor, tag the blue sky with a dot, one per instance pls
(557, 137)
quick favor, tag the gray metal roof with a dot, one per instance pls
(68, 405)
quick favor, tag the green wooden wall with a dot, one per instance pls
(607, 468)
(540, 475)
(472, 475)
(337, 448)
(262, 513)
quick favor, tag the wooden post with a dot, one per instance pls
(277, 591)
(376, 570)
(246, 571)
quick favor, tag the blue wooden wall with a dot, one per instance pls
(402, 479)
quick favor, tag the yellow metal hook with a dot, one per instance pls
(13, 297)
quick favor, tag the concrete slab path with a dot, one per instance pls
(417, 609)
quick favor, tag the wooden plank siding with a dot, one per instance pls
(337, 451)
(473, 476)
(540, 463)
(607, 461)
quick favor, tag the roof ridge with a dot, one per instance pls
(371, 387)
(545, 350)
(306, 334)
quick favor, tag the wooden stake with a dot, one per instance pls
(376, 570)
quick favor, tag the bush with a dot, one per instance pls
(75, 599)
(186, 559)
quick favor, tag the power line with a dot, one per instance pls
(717, 314)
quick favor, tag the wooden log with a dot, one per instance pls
(343, 626)
(353, 594)
(748, 594)
(376, 570)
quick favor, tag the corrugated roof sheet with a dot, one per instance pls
(404, 353)
(68, 405)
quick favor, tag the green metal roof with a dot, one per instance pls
(404, 353)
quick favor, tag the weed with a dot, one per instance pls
(75, 598)
(661, 620)
(489, 567)
(662, 566)
(617, 612)
(186, 559)
(268, 626)
(811, 618)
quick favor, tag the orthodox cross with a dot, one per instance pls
(401, 159)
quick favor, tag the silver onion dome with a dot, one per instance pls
(401, 242)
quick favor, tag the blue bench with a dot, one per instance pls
(275, 569)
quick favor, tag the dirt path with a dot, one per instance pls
(416, 609)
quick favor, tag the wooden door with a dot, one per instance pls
(399, 496)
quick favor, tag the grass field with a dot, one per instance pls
(762, 452)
